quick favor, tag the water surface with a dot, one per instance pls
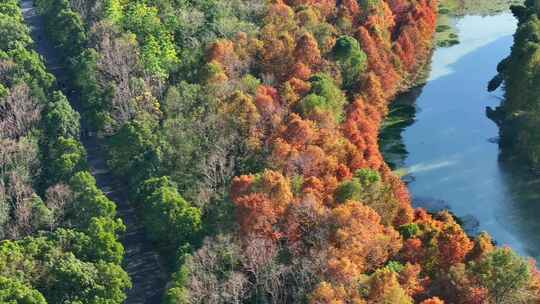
(449, 147)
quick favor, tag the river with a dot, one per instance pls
(447, 147)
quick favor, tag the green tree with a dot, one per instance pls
(409, 230)
(502, 272)
(349, 190)
(66, 156)
(168, 217)
(95, 107)
(49, 265)
(89, 200)
(518, 114)
(135, 150)
(64, 26)
(361, 187)
(157, 44)
(74, 281)
(103, 233)
(350, 58)
(98, 242)
(15, 292)
(42, 217)
(10, 8)
(324, 97)
(3, 91)
(113, 10)
(60, 119)
(177, 293)
(13, 33)
(367, 187)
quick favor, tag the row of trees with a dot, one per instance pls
(248, 133)
(59, 232)
(137, 67)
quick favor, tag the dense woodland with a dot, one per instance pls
(519, 113)
(60, 231)
(247, 132)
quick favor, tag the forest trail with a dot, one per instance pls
(141, 261)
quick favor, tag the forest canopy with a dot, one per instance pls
(246, 134)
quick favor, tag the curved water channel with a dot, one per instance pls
(447, 148)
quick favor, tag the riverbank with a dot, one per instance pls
(446, 31)
(443, 144)
(517, 116)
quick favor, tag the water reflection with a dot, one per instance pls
(444, 141)
(475, 32)
(402, 114)
(523, 204)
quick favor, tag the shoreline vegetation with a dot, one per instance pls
(517, 116)
(247, 134)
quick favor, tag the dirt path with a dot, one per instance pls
(141, 261)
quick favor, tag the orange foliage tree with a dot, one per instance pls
(360, 242)
(317, 127)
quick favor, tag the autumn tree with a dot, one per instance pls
(452, 244)
(260, 201)
(433, 300)
(384, 288)
(361, 242)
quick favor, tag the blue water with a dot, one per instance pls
(452, 155)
